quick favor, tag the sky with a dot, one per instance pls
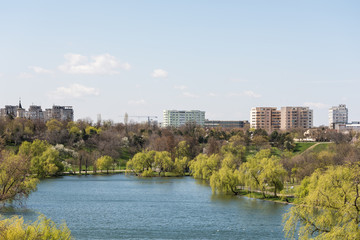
(141, 57)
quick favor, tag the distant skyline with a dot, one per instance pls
(142, 57)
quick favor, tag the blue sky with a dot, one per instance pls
(141, 57)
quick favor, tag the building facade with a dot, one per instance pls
(338, 115)
(175, 118)
(296, 117)
(61, 113)
(267, 118)
(347, 127)
(225, 124)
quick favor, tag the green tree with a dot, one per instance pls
(203, 167)
(273, 174)
(104, 163)
(226, 181)
(43, 229)
(328, 205)
(16, 182)
(181, 165)
(54, 125)
(140, 162)
(44, 158)
(163, 162)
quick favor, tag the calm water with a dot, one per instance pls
(127, 207)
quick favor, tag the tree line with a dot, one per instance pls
(325, 181)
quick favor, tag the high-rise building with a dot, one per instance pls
(296, 117)
(338, 115)
(267, 118)
(35, 113)
(9, 110)
(61, 113)
(175, 118)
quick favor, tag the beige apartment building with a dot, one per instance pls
(296, 117)
(268, 118)
(271, 119)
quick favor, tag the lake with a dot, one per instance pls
(127, 207)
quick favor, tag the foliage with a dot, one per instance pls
(203, 167)
(43, 229)
(226, 180)
(44, 158)
(15, 180)
(140, 162)
(327, 205)
(162, 161)
(264, 170)
(104, 163)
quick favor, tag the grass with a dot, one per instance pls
(302, 147)
(259, 195)
(321, 147)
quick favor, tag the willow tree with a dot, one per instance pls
(16, 181)
(226, 181)
(328, 205)
(142, 161)
(203, 167)
(43, 229)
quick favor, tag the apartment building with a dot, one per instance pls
(225, 124)
(35, 113)
(176, 118)
(338, 115)
(268, 118)
(61, 113)
(296, 117)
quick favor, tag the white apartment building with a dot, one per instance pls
(176, 118)
(338, 115)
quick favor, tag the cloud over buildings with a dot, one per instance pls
(100, 64)
(73, 91)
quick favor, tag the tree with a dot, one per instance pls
(140, 162)
(43, 229)
(328, 205)
(203, 167)
(16, 182)
(104, 163)
(226, 181)
(273, 173)
(181, 165)
(44, 158)
(163, 162)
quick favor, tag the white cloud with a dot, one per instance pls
(25, 75)
(100, 64)
(1, 75)
(39, 70)
(248, 93)
(180, 87)
(252, 94)
(159, 73)
(74, 91)
(211, 94)
(190, 95)
(137, 102)
(316, 105)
